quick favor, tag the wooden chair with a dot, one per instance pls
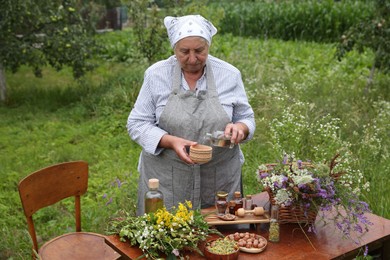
(48, 186)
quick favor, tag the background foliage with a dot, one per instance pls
(373, 34)
(320, 21)
(40, 33)
(305, 100)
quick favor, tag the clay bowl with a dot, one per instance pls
(215, 256)
(201, 153)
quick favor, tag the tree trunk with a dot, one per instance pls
(3, 85)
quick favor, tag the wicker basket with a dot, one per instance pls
(294, 213)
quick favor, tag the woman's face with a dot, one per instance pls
(191, 53)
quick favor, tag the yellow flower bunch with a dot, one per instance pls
(164, 218)
(184, 215)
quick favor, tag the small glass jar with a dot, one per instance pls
(274, 230)
(248, 202)
(232, 207)
(238, 200)
(221, 203)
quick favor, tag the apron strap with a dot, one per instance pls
(211, 87)
(176, 82)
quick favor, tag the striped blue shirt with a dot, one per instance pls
(143, 121)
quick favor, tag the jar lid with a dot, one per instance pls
(154, 183)
(222, 194)
(248, 196)
(237, 194)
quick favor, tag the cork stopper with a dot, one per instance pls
(237, 194)
(153, 183)
(248, 197)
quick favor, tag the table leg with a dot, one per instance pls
(386, 249)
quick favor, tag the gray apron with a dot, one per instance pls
(191, 115)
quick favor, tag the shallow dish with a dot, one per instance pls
(252, 250)
(227, 217)
(252, 236)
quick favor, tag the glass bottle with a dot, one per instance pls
(274, 230)
(221, 203)
(154, 198)
(218, 138)
(232, 207)
(238, 200)
(248, 202)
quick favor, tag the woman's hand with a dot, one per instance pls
(237, 131)
(179, 145)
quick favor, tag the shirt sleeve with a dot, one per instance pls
(142, 123)
(242, 110)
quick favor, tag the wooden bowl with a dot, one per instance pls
(201, 148)
(201, 153)
(213, 256)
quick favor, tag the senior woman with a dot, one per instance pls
(182, 98)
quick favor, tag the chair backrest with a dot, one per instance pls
(50, 185)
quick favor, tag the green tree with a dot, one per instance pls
(38, 33)
(146, 19)
(373, 34)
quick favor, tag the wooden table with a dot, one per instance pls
(326, 243)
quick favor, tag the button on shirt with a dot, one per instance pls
(142, 123)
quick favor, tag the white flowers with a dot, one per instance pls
(146, 232)
(283, 196)
(304, 179)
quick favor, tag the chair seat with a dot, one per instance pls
(78, 246)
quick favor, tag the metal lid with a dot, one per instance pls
(222, 194)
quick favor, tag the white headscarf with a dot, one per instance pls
(189, 25)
